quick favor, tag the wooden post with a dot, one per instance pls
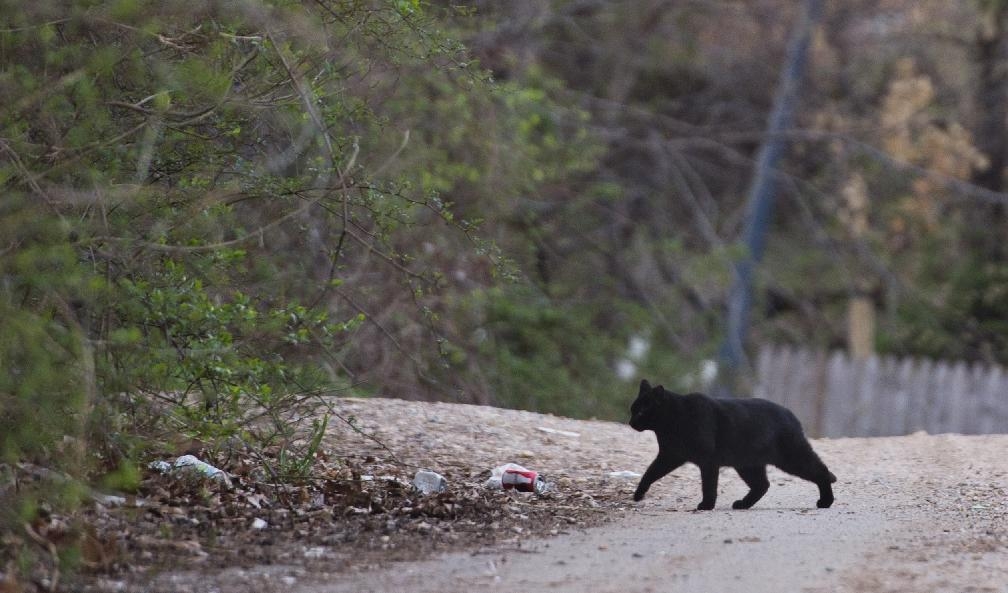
(860, 310)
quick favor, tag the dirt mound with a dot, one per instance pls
(359, 507)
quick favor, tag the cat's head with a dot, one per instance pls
(644, 410)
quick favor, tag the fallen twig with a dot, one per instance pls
(50, 547)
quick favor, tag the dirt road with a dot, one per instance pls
(915, 513)
(918, 513)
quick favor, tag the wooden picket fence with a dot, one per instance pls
(835, 396)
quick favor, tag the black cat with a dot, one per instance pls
(746, 434)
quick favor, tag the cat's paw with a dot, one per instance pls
(740, 504)
(638, 496)
(824, 503)
(705, 506)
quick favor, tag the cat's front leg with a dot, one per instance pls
(661, 466)
(709, 480)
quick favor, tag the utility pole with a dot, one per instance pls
(734, 363)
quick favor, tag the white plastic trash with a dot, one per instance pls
(624, 475)
(193, 464)
(429, 482)
(565, 433)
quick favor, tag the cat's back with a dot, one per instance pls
(703, 412)
(752, 404)
(756, 410)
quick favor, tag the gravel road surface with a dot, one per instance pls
(918, 513)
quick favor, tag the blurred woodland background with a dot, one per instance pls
(217, 214)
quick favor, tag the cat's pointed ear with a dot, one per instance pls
(644, 386)
(660, 389)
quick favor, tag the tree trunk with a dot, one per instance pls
(991, 132)
(734, 362)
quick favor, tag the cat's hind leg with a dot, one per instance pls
(755, 477)
(801, 461)
(825, 494)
